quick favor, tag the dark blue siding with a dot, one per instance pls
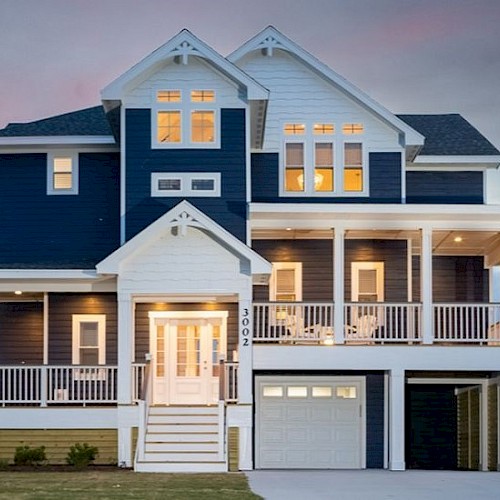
(444, 187)
(374, 421)
(229, 210)
(384, 173)
(61, 231)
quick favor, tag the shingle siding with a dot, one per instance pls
(229, 210)
(60, 231)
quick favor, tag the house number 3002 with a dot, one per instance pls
(245, 327)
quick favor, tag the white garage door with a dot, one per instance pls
(310, 422)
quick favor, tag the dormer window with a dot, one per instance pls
(317, 162)
(62, 173)
(185, 118)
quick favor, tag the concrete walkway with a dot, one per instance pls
(375, 485)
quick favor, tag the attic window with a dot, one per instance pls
(294, 129)
(202, 96)
(323, 128)
(185, 184)
(62, 173)
(352, 128)
(168, 96)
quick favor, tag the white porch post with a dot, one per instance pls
(245, 378)
(125, 344)
(397, 420)
(483, 460)
(338, 283)
(426, 286)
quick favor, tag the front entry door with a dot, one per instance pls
(187, 360)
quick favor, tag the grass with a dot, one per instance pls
(120, 484)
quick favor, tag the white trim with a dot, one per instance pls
(410, 167)
(272, 35)
(123, 174)
(57, 139)
(472, 159)
(52, 274)
(46, 328)
(185, 180)
(188, 314)
(182, 45)
(77, 320)
(378, 267)
(52, 156)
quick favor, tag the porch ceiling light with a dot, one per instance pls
(458, 239)
(18, 292)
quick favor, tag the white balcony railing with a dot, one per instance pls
(45, 385)
(231, 382)
(467, 323)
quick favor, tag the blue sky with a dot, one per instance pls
(413, 56)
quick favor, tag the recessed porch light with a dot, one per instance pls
(18, 292)
(458, 239)
(288, 229)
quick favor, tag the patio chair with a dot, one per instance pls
(362, 331)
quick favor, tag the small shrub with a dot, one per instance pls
(81, 455)
(4, 464)
(29, 456)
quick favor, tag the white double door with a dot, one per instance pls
(186, 357)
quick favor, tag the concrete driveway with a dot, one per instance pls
(374, 485)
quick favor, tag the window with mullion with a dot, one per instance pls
(294, 166)
(323, 166)
(353, 167)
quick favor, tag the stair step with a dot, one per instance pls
(180, 467)
(176, 437)
(182, 428)
(183, 410)
(182, 447)
(160, 456)
(183, 419)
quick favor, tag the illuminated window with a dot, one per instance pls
(202, 96)
(62, 173)
(294, 129)
(323, 129)
(346, 392)
(294, 166)
(89, 339)
(169, 126)
(178, 123)
(353, 166)
(323, 166)
(168, 96)
(272, 391)
(297, 392)
(203, 126)
(352, 128)
(322, 392)
(286, 282)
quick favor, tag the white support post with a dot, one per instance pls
(245, 355)
(45, 328)
(338, 284)
(125, 351)
(426, 286)
(396, 420)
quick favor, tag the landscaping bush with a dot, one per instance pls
(81, 455)
(29, 456)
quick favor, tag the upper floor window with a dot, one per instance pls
(285, 284)
(185, 118)
(317, 162)
(62, 173)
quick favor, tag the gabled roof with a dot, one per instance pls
(183, 45)
(270, 38)
(449, 134)
(88, 121)
(181, 216)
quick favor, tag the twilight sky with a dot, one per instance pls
(412, 56)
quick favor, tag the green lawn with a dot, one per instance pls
(120, 484)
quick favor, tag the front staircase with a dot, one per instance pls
(182, 439)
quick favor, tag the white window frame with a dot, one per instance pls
(51, 157)
(185, 179)
(77, 320)
(186, 107)
(277, 266)
(370, 266)
(309, 139)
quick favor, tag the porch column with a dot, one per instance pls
(426, 286)
(125, 343)
(338, 283)
(397, 419)
(245, 366)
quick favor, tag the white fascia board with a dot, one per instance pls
(116, 89)
(54, 140)
(412, 137)
(460, 159)
(111, 264)
(51, 274)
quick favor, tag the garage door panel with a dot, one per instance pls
(314, 428)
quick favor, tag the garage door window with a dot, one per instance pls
(297, 392)
(321, 392)
(272, 391)
(346, 392)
